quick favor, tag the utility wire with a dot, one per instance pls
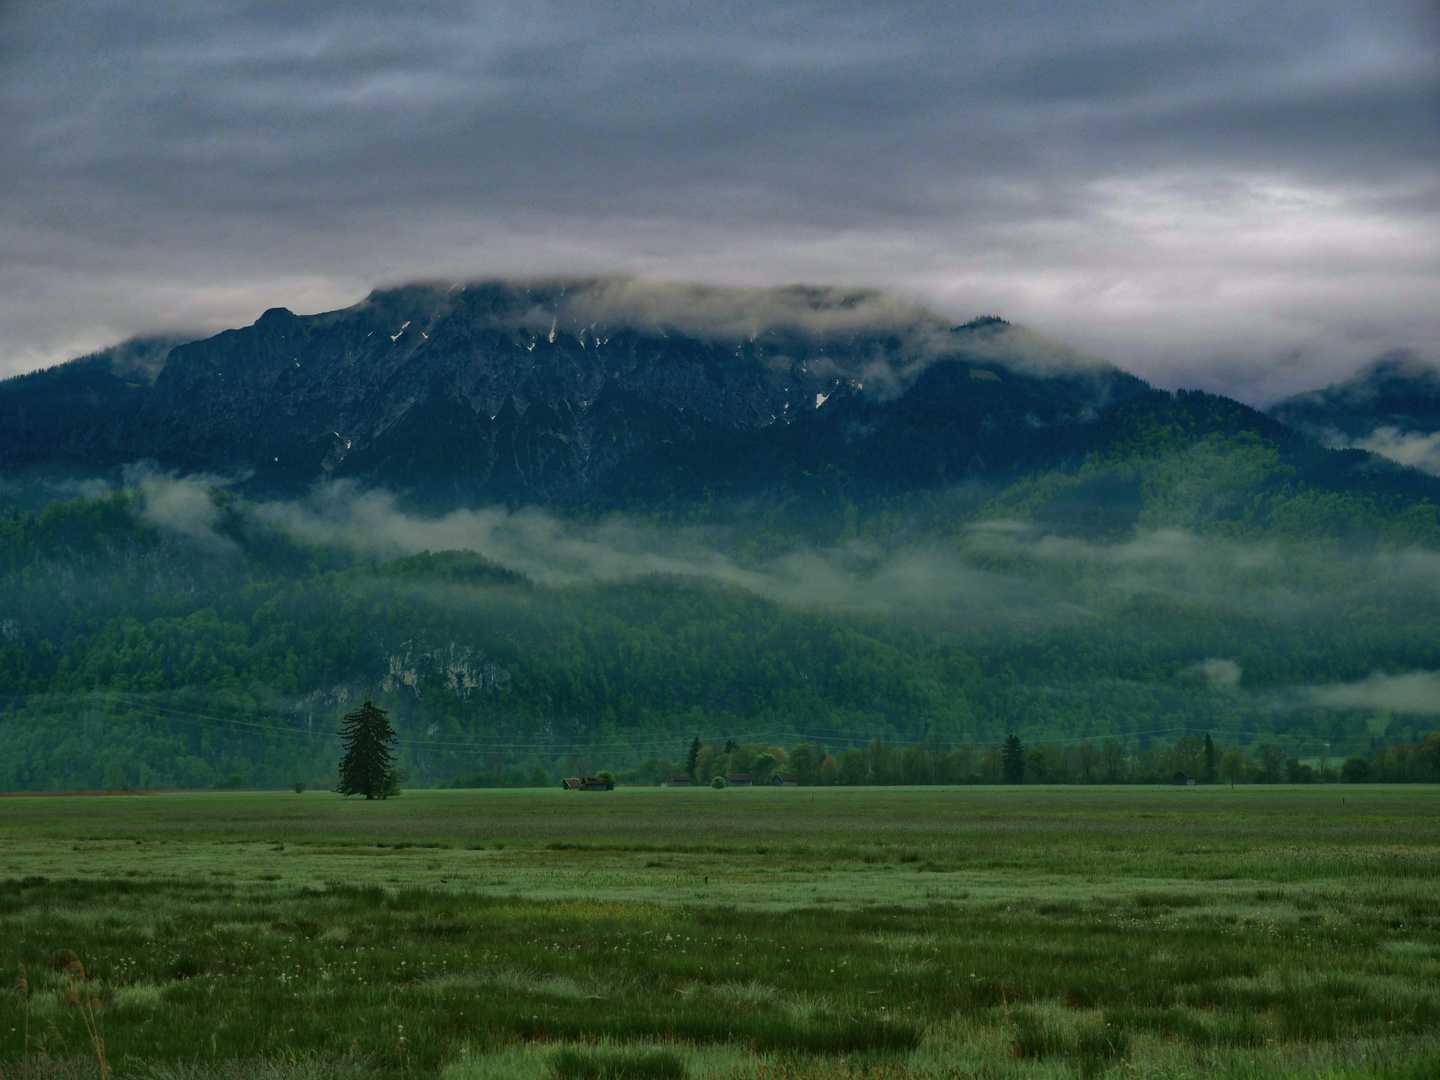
(555, 744)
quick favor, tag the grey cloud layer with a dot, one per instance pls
(1240, 195)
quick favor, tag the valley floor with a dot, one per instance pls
(922, 932)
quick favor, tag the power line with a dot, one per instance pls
(555, 744)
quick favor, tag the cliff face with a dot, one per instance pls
(571, 391)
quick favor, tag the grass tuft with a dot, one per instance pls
(603, 1063)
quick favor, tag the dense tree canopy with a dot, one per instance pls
(1205, 572)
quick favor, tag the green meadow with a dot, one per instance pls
(764, 933)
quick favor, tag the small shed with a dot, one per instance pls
(594, 783)
(571, 783)
(1182, 779)
(678, 780)
(785, 779)
(737, 779)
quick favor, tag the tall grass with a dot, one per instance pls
(616, 1064)
(1226, 962)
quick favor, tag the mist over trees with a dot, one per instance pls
(1189, 581)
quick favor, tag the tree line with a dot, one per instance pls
(1013, 762)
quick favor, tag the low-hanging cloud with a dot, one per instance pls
(1420, 450)
(863, 337)
(1414, 693)
(992, 572)
(735, 314)
(183, 506)
(727, 314)
(1220, 673)
(1163, 562)
(552, 551)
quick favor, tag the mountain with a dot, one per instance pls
(595, 517)
(574, 392)
(1390, 407)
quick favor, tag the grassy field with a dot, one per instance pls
(920, 932)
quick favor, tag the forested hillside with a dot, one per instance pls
(1391, 406)
(1204, 571)
(586, 521)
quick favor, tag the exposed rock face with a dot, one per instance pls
(458, 669)
(568, 392)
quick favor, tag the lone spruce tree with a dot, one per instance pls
(1012, 759)
(367, 766)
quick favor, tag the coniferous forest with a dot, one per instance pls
(171, 633)
(549, 545)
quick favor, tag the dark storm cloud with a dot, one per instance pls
(1241, 196)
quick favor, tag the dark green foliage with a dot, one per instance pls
(133, 655)
(1013, 757)
(367, 766)
(1355, 770)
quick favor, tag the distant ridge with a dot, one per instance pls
(1390, 407)
(570, 390)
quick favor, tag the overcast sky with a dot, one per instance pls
(1244, 197)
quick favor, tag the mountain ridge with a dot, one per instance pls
(545, 395)
(833, 526)
(1391, 407)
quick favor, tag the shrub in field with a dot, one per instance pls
(718, 783)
